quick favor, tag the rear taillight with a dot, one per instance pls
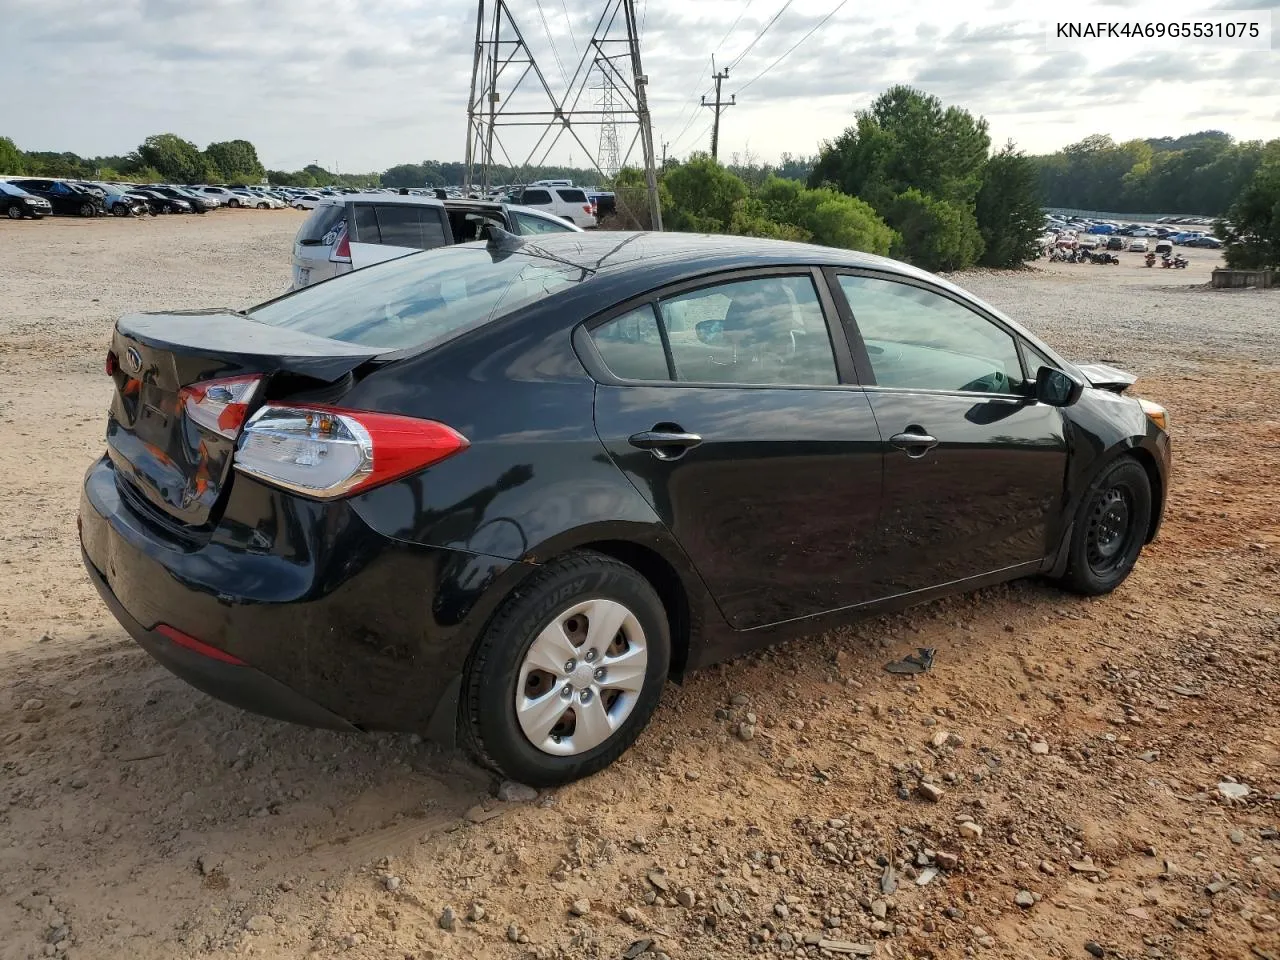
(342, 252)
(220, 405)
(327, 452)
(589, 208)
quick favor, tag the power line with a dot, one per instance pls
(792, 49)
(745, 7)
(546, 28)
(569, 23)
(760, 36)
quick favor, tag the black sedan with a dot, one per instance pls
(507, 490)
(17, 204)
(64, 198)
(193, 200)
(162, 203)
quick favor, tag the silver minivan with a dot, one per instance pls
(346, 233)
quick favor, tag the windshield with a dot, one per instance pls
(421, 297)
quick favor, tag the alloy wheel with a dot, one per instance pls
(581, 677)
(14, 212)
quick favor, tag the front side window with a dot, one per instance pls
(920, 340)
(770, 330)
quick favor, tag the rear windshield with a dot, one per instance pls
(419, 298)
(321, 221)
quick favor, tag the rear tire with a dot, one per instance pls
(607, 623)
(1110, 528)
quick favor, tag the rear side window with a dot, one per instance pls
(533, 197)
(631, 346)
(408, 225)
(321, 222)
(527, 223)
(419, 298)
(572, 196)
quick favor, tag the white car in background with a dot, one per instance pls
(1137, 246)
(567, 203)
(227, 197)
(258, 199)
(307, 201)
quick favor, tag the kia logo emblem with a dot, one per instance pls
(134, 358)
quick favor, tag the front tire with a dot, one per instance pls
(86, 210)
(15, 211)
(1110, 528)
(567, 673)
(233, 203)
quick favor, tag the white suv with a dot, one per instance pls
(568, 203)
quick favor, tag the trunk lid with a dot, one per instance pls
(170, 464)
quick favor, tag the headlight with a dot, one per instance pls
(1155, 413)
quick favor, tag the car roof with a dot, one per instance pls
(389, 198)
(605, 250)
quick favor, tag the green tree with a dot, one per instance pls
(1251, 233)
(1007, 208)
(907, 139)
(235, 161)
(935, 234)
(826, 216)
(702, 195)
(11, 158)
(177, 160)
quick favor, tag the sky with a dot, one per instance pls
(360, 85)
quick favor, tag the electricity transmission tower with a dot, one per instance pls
(503, 66)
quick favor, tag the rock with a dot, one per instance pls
(1233, 791)
(57, 933)
(888, 880)
(476, 913)
(391, 883)
(580, 907)
(659, 879)
(780, 911)
(740, 700)
(946, 860)
(479, 814)
(79, 783)
(746, 731)
(448, 919)
(1047, 868)
(1217, 887)
(797, 725)
(1025, 899)
(686, 897)
(879, 909)
(1040, 748)
(1094, 949)
(32, 705)
(848, 948)
(970, 830)
(1236, 837)
(927, 791)
(511, 792)
(513, 933)
(692, 775)
(629, 914)
(1084, 866)
(926, 876)
(259, 923)
(208, 863)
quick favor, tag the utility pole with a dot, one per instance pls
(719, 106)
(665, 144)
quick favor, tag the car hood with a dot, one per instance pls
(1106, 377)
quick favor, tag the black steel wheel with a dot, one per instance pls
(1110, 528)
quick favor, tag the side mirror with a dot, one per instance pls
(708, 331)
(1056, 388)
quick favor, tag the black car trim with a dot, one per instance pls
(600, 372)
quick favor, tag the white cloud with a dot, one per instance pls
(363, 84)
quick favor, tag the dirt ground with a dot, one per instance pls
(1107, 771)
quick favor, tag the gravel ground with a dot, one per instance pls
(1073, 778)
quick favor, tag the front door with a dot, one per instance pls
(974, 467)
(727, 407)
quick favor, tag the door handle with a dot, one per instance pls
(915, 441)
(665, 441)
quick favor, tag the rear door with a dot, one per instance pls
(975, 467)
(731, 405)
(386, 231)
